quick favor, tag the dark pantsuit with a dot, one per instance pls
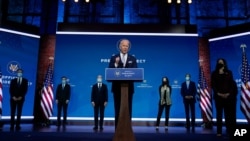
(16, 105)
(229, 109)
(160, 110)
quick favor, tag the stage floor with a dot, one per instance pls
(29, 132)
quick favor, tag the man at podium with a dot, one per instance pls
(122, 60)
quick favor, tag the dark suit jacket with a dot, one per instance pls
(63, 94)
(99, 97)
(18, 90)
(131, 63)
(191, 91)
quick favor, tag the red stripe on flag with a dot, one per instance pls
(47, 94)
(204, 97)
(245, 86)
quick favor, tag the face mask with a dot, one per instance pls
(187, 78)
(19, 74)
(99, 80)
(164, 81)
(64, 81)
(220, 66)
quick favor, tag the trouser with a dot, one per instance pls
(160, 110)
(16, 105)
(190, 107)
(99, 108)
(227, 106)
(62, 106)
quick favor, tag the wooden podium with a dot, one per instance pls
(124, 131)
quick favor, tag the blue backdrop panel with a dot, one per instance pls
(18, 50)
(228, 47)
(81, 57)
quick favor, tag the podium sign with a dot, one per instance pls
(124, 74)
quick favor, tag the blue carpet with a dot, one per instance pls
(79, 136)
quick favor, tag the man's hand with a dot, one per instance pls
(14, 98)
(188, 97)
(93, 104)
(105, 103)
(225, 95)
(67, 101)
(19, 98)
(117, 60)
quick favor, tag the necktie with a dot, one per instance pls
(123, 59)
(19, 81)
(63, 86)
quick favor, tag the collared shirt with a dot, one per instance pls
(19, 80)
(99, 85)
(187, 82)
(124, 58)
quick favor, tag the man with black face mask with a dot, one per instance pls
(62, 100)
(18, 89)
(224, 93)
(188, 93)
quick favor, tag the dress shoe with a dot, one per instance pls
(95, 128)
(18, 128)
(157, 128)
(166, 128)
(11, 128)
(193, 129)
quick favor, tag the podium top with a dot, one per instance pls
(124, 74)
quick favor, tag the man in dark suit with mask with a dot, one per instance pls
(99, 100)
(18, 89)
(62, 100)
(122, 60)
(188, 92)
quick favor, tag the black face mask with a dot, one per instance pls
(220, 66)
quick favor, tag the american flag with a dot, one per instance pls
(47, 93)
(245, 86)
(1, 94)
(205, 99)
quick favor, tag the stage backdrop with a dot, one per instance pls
(18, 50)
(82, 56)
(228, 47)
